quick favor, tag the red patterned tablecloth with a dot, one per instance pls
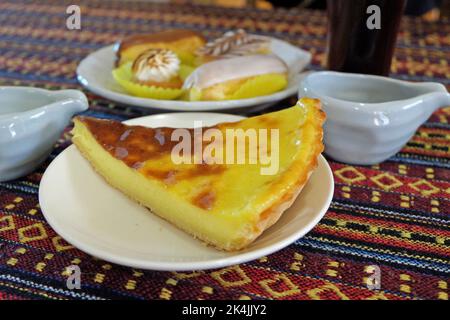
(394, 215)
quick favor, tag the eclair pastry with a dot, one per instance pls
(183, 42)
(237, 78)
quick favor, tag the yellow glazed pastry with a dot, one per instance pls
(210, 201)
(183, 42)
(237, 78)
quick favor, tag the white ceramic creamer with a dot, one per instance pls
(370, 118)
(31, 121)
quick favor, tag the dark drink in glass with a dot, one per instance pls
(357, 41)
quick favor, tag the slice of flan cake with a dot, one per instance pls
(227, 203)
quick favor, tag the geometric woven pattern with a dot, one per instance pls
(394, 216)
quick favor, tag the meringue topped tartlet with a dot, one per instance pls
(155, 73)
(157, 67)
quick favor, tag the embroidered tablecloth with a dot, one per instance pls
(392, 217)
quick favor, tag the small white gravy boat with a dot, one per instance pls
(370, 118)
(31, 121)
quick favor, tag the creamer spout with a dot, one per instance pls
(72, 101)
(433, 95)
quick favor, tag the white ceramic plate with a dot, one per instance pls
(94, 73)
(98, 219)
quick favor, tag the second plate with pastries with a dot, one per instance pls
(181, 70)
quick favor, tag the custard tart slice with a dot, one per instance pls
(228, 203)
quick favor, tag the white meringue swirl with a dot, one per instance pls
(158, 65)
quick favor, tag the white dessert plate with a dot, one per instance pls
(94, 73)
(98, 219)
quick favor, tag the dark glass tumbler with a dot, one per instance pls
(362, 40)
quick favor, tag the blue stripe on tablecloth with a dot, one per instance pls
(56, 42)
(386, 210)
(15, 276)
(309, 241)
(68, 293)
(42, 77)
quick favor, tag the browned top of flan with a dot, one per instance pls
(163, 36)
(134, 145)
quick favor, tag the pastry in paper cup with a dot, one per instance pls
(155, 74)
(237, 78)
(123, 77)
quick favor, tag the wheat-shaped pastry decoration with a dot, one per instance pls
(233, 44)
